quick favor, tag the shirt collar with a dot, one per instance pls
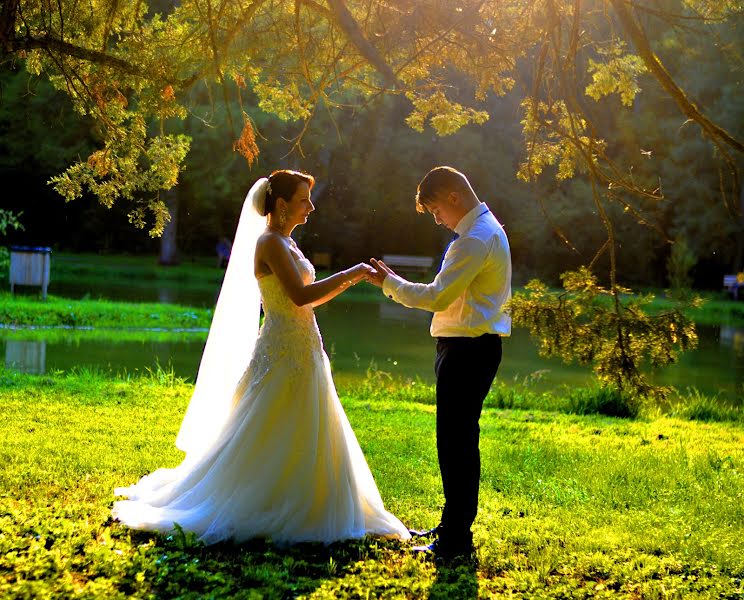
(467, 221)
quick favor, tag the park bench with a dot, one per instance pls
(406, 262)
(729, 283)
(321, 260)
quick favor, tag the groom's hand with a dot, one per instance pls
(377, 277)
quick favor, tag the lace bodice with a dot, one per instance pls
(288, 331)
(274, 299)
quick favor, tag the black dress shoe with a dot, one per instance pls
(423, 532)
(426, 549)
(447, 552)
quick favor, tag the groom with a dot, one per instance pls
(467, 298)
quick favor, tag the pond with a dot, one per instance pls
(363, 335)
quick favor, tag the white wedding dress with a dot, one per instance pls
(286, 465)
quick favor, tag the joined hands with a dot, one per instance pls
(378, 272)
(374, 274)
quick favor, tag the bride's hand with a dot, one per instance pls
(379, 272)
(359, 272)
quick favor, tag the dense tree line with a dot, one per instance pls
(644, 160)
(367, 168)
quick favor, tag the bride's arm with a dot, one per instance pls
(350, 277)
(279, 259)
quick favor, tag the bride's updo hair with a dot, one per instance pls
(283, 184)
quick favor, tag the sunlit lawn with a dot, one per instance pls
(30, 310)
(571, 506)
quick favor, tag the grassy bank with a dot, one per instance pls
(74, 336)
(24, 310)
(198, 279)
(571, 505)
(716, 309)
(30, 310)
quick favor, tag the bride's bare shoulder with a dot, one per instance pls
(271, 242)
(268, 237)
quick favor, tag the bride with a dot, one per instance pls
(269, 450)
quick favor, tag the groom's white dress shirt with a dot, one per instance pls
(468, 294)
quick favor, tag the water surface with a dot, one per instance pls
(366, 335)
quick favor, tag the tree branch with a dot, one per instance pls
(345, 20)
(635, 32)
(51, 43)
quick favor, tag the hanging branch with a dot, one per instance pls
(636, 33)
(351, 28)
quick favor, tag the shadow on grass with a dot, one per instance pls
(178, 566)
(455, 581)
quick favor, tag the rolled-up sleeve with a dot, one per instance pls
(462, 262)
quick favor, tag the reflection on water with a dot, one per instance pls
(26, 356)
(734, 338)
(383, 336)
(66, 350)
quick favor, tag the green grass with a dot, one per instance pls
(716, 309)
(521, 395)
(70, 267)
(74, 336)
(572, 506)
(25, 310)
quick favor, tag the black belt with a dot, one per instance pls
(446, 339)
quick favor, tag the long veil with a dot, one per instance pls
(232, 334)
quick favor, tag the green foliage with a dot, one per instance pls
(520, 394)
(358, 209)
(618, 75)
(554, 137)
(711, 308)
(286, 104)
(117, 172)
(8, 220)
(135, 69)
(446, 117)
(715, 10)
(565, 504)
(593, 325)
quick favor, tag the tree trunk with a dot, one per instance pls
(169, 255)
(739, 257)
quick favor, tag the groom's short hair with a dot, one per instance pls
(447, 179)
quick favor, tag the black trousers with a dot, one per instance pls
(465, 369)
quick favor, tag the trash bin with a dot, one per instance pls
(30, 265)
